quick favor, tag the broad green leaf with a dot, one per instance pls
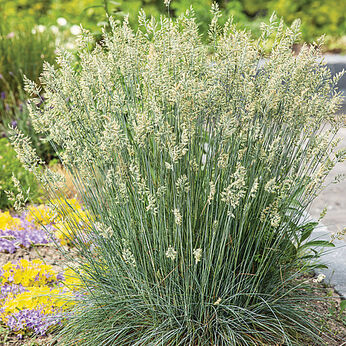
(317, 243)
(307, 230)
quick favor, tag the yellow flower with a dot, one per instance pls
(66, 207)
(26, 273)
(63, 232)
(67, 217)
(40, 214)
(45, 298)
(37, 278)
(72, 282)
(8, 221)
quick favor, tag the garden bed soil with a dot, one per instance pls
(330, 321)
(48, 254)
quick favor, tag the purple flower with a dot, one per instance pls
(7, 245)
(14, 123)
(26, 235)
(6, 289)
(34, 320)
(3, 95)
(60, 276)
(42, 99)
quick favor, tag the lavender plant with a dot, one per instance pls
(196, 163)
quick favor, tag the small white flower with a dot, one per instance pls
(103, 230)
(211, 192)
(127, 255)
(33, 31)
(204, 159)
(171, 253)
(230, 214)
(69, 45)
(254, 188)
(61, 21)
(54, 29)
(75, 30)
(275, 219)
(41, 28)
(320, 278)
(271, 186)
(197, 253)
(182, 184)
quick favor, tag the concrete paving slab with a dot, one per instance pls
(333, 197)
(335, 259)
(336, 64)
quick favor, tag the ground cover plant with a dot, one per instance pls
(37, 225)
(34, 297)
(17, 232)
(196, 164)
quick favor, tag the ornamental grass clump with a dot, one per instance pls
(196, 163)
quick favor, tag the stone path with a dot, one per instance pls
(335, 259)
(334, 198)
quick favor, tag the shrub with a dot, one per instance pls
(196, 163)
(9, 165)
(319, 17)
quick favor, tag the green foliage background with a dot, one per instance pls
(9, 164)
(21, 51)
(318, 16)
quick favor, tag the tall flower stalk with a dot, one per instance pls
(196, 163)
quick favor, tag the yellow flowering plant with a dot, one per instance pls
(8, 221)
(62, 214)
(33, 291)
(41, 214)
(26, 273)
